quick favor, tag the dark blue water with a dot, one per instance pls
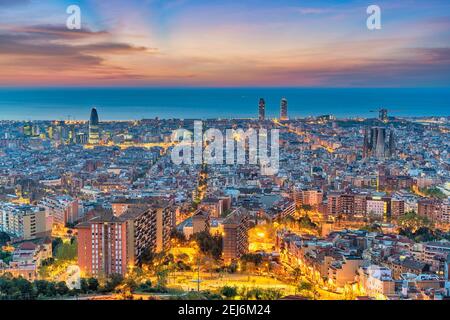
(138, 103)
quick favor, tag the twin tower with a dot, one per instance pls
(283, 109)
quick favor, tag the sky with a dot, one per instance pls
(301, 43)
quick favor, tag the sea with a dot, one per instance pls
(127, 103)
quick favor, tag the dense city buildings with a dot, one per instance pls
(284, 110)
(23, 221)
(359, 206)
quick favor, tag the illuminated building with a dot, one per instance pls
(24, 221)
(72, 135)
(62, 209)
(50, 132)
(235, 238)
(397, 208)
(284, 110)
(383, 115)
(94, 130)
(28, 129)
(113, 240)
(310, 197)
(334, 204)
(347, 204)
(262, 109)
(434, 209)
(376, 208)
(81, 138)
(200, 222)
(377, 281)
(102, 246)
(162, 217)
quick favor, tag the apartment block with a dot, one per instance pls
(25, 222)
(235, 238)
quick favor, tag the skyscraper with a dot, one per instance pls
(383, 116)
(94, 130)
(284, 109)
(262, 109)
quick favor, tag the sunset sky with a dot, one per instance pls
(225, 43)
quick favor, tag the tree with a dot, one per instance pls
(4, 238)
(256, 258)
(93, 284)
(6, 257)
(61, 288)
(434, 192)
(130, 284)
(42, 288)
(146, 286)
(423, 234)
(374, 227)
(306, 289)
(229, 292)
(305, 286)
(251, 261)
(178, 235)
(209, 244)
(113, 282)
(297, 273)
(413, 221)
(67, 251)
(260, 294)
(51, 289)
(162, 279)
(24, 289)
(147, 256)
(306, 223)
(55, 244)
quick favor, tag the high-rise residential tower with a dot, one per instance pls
(113, 240)
(235, 238)
(262, 109)
(94, 130)
(284, 110)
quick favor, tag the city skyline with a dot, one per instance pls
(228, 151)
(199, 43)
